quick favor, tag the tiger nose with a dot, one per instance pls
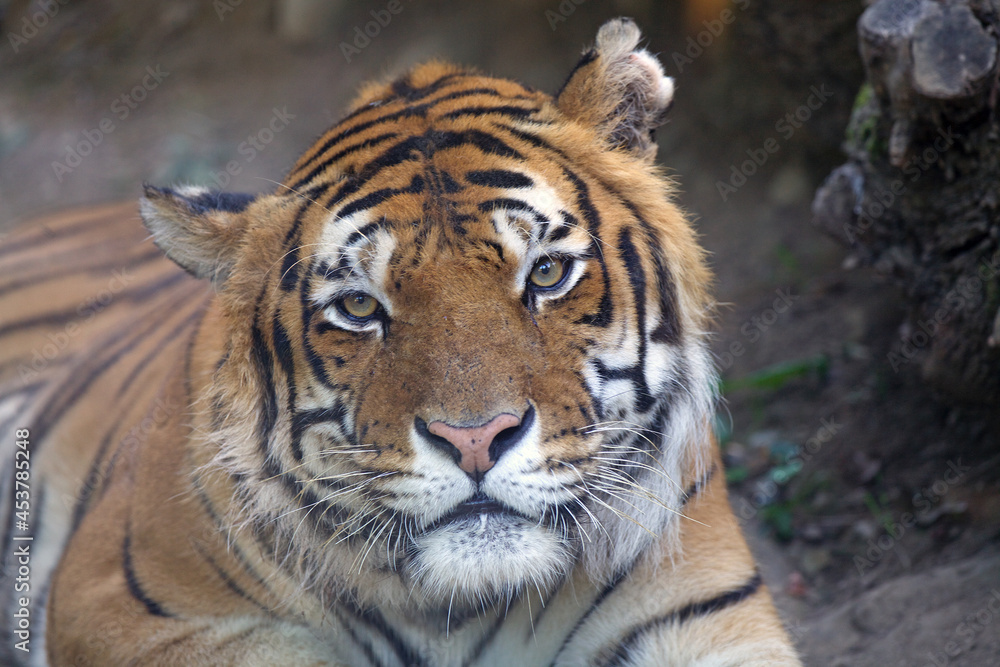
(477, 448)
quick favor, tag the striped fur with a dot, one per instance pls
(230, 468)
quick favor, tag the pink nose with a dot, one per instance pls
(474, 442)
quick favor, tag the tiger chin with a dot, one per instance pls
(442, 398)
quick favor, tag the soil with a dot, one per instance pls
(873, 506)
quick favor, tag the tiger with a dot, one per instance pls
(442, 398)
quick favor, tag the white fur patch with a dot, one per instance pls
(489, 555)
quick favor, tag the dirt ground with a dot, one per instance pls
(873, 507)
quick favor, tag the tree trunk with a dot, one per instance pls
(919, 194)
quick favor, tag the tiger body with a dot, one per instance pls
(443, 399)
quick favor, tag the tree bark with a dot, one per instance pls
(919, 194)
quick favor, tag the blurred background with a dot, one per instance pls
(872, 503)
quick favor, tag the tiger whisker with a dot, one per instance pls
(617, 512)
(373, 540)
(648, 495)
(296, 192)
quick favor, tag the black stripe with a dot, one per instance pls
(157, 349)
(621, 576)
(286, 358)
(45, 234)
(291, 269)
(499, 178)
(496, 247)
(365, 646)
(417, 148)
(351, 131)
(534, 140)
(508, 110)
(637, 279)
(263, 364)
(605, 310)
(372, 199)
(669, 329)
(508, 204)
(407, 112)
(229, 581)
(293, 231)
(484, 641)
(313, 358)
(562, 231)
(469, 92)
(363, 233)
(230, 202)
(403, 89)
(619, 654)
(487, 143)
(93, 480)
(410, 149)
(139, 295)
(132, 581)
(588, 57)
(233, 546)
(86, 255)
(302, 420)
(698, 485)
(341, 154)
(50, 275)
(62, 401)
(375, 621)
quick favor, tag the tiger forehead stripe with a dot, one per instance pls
(317, 161)
(357, 247)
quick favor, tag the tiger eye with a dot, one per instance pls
(547, 272)
(360, 306)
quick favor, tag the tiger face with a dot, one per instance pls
(460, 351)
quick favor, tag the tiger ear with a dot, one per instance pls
(619, 89)
(197, 228)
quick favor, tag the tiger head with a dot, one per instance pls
(460, 352)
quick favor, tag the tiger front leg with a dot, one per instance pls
(255, 642)
(700, 603)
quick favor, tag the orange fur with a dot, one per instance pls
(238, 475)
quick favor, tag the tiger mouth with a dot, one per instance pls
(479, 507)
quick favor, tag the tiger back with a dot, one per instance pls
(443, 398)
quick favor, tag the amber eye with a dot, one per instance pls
(548, 272)
(359, 306)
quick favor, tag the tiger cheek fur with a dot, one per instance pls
(447, 401)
